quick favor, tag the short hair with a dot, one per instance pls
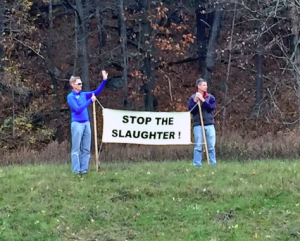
(199, 81)
(73, 79)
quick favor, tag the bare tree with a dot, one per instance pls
(259, 49)
(81, 9)
(259, 77)
(101, 32)
(212, 44)
(295, 56)
(82, 39)
(147, 46)
(202, 25)
(56, 105)
(1, 33)
(225, 98)
(123, 41)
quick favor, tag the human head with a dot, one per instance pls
(76, 83)
(201, 85)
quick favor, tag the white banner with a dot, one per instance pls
(148, 128)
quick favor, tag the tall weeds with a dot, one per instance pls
(230, 146)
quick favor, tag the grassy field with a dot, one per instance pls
(152, 201)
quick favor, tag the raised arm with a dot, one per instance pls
(100, 87)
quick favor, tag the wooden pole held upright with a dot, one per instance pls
(95, 137)
(203, 131)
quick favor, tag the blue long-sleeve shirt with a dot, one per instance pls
(79, 101)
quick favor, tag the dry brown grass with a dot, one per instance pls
(52, 153)
(230, 146)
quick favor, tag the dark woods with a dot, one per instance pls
(154, 52)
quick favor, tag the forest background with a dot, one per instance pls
(153, 51)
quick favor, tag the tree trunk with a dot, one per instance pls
(211, 48)
(259, 70)
(138, 66)
(201, 24)
(82, 42)
(82, 7)
(56, 105)
(123, 41)
(259, 78)
(225, 93)
(75, 47)
(148, 58)
(101, 34)
(1, 33)
(295, 58)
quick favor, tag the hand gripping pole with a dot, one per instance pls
(203, 131)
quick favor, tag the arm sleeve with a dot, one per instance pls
(210, 105)
(96, 91)
(75, 107)
(192, 103)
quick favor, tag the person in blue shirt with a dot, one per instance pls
(78, 102)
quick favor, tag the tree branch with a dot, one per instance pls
(75, 10)
(223, 107)
(41, 56)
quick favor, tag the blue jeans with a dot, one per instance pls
(210, 134)
(81, 146)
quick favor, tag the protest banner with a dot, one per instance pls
(148, 128)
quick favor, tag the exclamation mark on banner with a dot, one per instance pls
(179, 134)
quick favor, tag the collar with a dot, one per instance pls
(205, 95)
(75, 93)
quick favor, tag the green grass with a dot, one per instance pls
(152, 201)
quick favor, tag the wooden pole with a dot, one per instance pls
(95, 137)
(203, 131)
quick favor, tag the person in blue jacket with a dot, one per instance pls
(78, 102)
(208, 105)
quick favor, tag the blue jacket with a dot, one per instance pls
(79, 102)
(207, 108)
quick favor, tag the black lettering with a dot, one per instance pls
(132, 119)
(164, 121)
(114, 133)
(120, 133)
(140, 120)
(144, 135)
(128, 134)
(172, 135)
(148, 119)
(125, 119)
(159, 134)
(152, 135)
(166, 135)
(136, 134)
(157, 120)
